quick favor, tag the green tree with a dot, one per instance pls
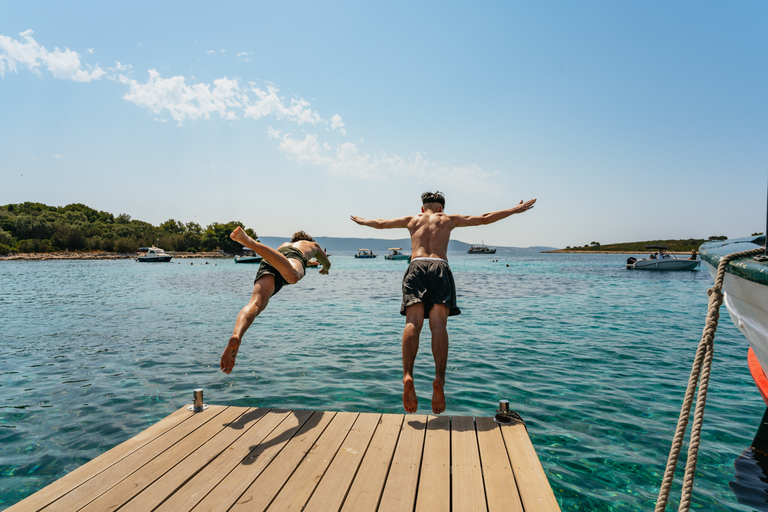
(216, 236)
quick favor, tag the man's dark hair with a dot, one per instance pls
(433, 197)
(300, 235)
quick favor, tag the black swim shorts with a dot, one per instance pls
(266, 268)
(430, 281)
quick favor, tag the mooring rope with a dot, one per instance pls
(699, 373)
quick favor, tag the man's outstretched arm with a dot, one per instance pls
(491, 217)
(401, 222)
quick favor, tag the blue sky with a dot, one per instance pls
(626, 120)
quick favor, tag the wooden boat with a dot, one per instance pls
(153, 255)
(661, 260)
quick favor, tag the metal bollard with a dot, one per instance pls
(197, 403)
(506, 416)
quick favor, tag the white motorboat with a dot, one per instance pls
(153, 255)
(396, 253)
(745, 294)
(660, 259)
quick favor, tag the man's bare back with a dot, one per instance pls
(430, 234)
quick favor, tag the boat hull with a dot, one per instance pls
(248, 259)
(396, 257)
(365, 256)
(664, 264)
(154, 259)
(745, 295)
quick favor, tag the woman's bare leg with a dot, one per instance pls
(292, 273)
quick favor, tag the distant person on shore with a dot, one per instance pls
(286, 265)
(428, 286)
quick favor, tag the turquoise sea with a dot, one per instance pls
(594, 357)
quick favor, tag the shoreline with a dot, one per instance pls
(569, 251)
(102, 255)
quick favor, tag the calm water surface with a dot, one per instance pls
(594, 357)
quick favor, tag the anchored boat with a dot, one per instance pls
(365, 253)
(660, 259)
(481, 249)
(153, 255)
(396, 253)
(248, 257)
(745, 289)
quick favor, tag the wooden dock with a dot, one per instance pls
(237, 458)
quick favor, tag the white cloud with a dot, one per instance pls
(210, 52)
(272, 133)
(346, 160)
(226, 97)
(244, 56)
(183, 101)
(305, 151)
(269, 103)
(338, 124)
(57, 156)
(63, 64)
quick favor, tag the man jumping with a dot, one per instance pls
(428, 287)
(286, 265)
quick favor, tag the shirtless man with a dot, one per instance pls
(286, 265)
(428, 287)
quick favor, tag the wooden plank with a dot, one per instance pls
(400, 490)
(365, 493)
(330, 493)
(500, 487)
(435, 479)
(194, 490)
(134, 483)
(535, 492)
(239, 479)
(168, 483)
(466, 473)
(264, 489)
(100, 483)
(65, 484)
(300, 486)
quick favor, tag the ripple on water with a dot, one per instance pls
(595, 358)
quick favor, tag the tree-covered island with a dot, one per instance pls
(679, 246)
(39, 228)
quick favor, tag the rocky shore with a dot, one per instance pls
(64, 255)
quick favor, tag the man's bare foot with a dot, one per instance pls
(229, 355)
(438, 397)
(410, 402)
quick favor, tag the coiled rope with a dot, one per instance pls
(699, 374)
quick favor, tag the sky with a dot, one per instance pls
(627, 121)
